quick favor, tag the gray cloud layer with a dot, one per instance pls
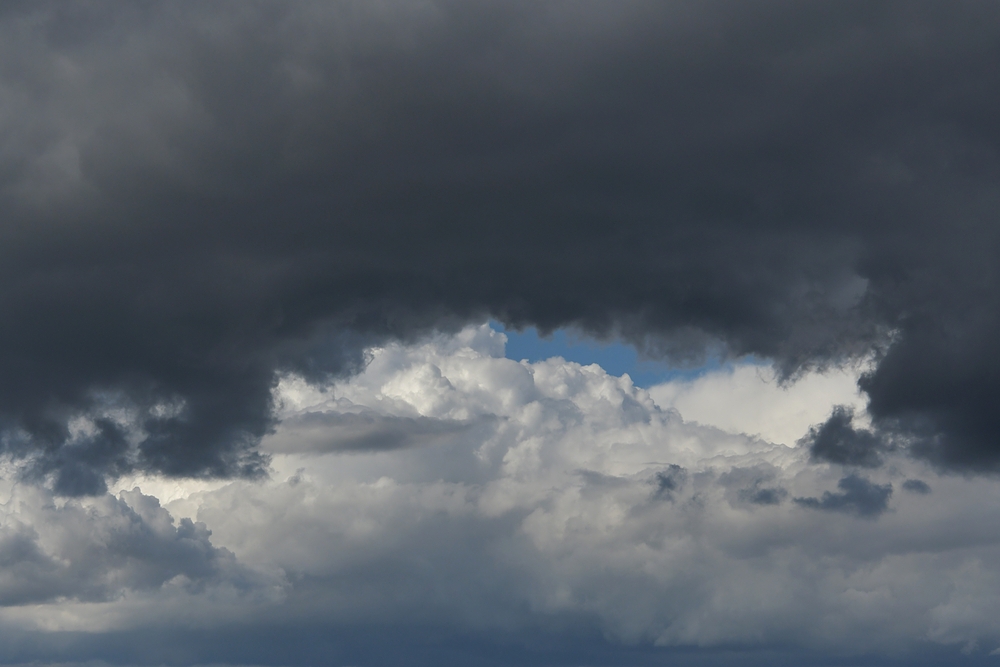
(199, 196)
(367, 432)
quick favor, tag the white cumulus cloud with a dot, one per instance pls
(450, 486)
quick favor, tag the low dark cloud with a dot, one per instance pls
(858, 496)
(753, 486)
(763, 496)
(916, 486)
(669, 481)
(200, 197)
(837, 441)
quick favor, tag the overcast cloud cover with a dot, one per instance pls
(249, 412)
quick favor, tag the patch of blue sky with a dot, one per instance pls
(615, 357)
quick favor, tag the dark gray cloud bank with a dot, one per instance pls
(199, 198)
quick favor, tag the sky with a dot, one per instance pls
(499, 333)
(614, 356)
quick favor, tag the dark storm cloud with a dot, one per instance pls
(198, 197)
(858, 496)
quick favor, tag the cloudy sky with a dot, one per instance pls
(500, 333)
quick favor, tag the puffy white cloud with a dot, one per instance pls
(450, 486)
(58, 554)
(748, 398)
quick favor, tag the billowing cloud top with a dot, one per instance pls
(535, 513)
